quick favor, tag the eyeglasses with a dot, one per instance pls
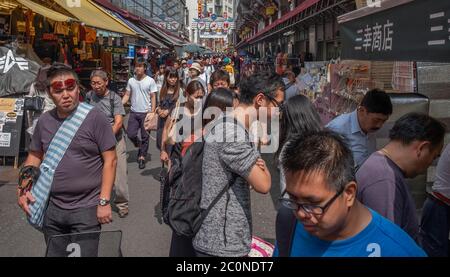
(274, 101)
(60, 86)
(308, 208)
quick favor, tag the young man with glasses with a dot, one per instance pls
(230, 158)
(330, 222)
(83, 179)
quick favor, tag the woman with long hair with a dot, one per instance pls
(298, 116)
(221, 99)
(169, 94)
(183, 111)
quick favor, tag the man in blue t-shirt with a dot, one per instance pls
(331, 222)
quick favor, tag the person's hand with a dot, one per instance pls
(104, 214)
(24, 198)
(261, 163)
(265, 140)
(164, 156)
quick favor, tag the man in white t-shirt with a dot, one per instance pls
(142, 91)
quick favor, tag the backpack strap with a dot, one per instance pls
(111, 103)
(285, 229)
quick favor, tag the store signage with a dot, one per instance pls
(392, 35)
(209, 28)
(131, 51)
(8, 61)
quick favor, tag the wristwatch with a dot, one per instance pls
(103, 202)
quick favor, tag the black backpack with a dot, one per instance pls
(183, 190)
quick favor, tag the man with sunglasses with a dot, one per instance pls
(321, 216)
(83, 179)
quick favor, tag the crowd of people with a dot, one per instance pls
(341, 196)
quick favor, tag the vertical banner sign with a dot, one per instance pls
(413, 31)
(131, 51)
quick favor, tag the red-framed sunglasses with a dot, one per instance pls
(60, 86)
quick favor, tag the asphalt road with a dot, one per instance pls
(144, 235)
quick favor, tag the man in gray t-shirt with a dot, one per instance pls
(111, 105)
(416, 140)
(226, 230)
(229, 157)
(82, 181)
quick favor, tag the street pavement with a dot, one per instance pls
(144, 235)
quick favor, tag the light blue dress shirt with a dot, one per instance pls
(361, 144)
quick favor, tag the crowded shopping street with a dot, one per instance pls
(227, 129)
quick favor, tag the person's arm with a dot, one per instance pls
(164, 156)
(118, 123)
(126, 97)
(24, 198)
(245, 161)
(259, 177)
(153, 95)
(104, 213)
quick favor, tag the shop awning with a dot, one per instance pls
(148, 37)
(386, 32)
(95, 16)
(44, 11)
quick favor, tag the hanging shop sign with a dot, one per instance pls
(131, 51)
(214, 27)
(390, 34)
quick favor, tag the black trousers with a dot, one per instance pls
(58, 222)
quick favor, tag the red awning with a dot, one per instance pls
(303, 6)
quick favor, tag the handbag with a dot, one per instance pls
(171, 134)
(35, 103)
(260, 248)
(151, 121)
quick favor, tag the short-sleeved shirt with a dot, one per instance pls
(227, 229)
(361, 144)
(140, 92)
(381, 238)
(382, 187)
(104, 104)
(442, 183)
(78, 177)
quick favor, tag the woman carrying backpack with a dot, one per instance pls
(181, 244)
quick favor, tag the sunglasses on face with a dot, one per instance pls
(60, 86)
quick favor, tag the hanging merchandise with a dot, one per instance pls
(62, 28)
(4, 24)
(91, 35)
(17, 21)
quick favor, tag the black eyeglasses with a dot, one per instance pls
(308, 208)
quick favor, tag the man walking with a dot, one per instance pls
(142, 90)
(111, 104)
(82, 179)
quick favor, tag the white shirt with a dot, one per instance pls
(442, 183)
(140, 92)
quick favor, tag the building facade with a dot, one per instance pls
(305, 28)
(169, 14)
